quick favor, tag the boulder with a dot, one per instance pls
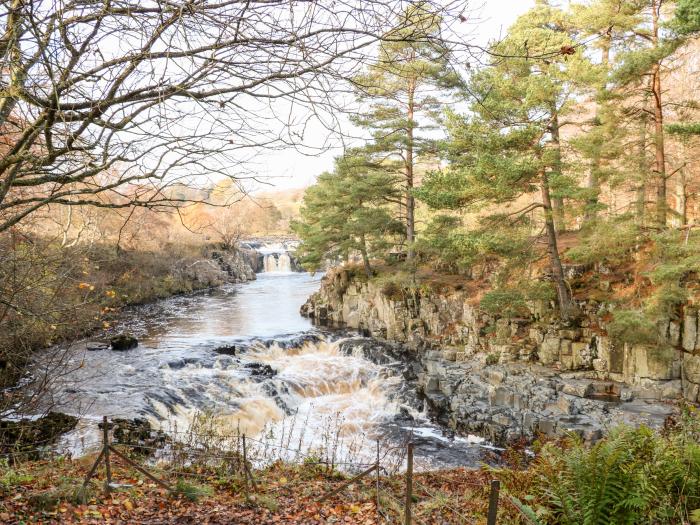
(227, 349)
(578, 388)
(123, 342)
(93, 346)
(261, 370)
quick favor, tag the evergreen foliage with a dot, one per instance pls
(405, 91)
(347, 211)
(633, 476)
(687, 17)
(608, 242)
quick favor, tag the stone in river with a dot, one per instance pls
(124, 342)
(96, 345)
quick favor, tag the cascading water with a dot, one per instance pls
(243, 355)
(278, 262)
(276, 256)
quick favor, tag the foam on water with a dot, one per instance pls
(317, 385)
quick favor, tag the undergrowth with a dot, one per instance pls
(634, 476)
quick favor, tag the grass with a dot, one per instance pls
(191, 491)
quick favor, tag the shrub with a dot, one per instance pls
(492, 359)
(609, 242)
(633, 327)
(504, 303)
(634, 476)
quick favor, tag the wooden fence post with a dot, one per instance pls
(379, 510)
(105, 448)
(248, 472)
(409, 484)
(493, 502)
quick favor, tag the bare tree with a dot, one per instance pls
(164, 92)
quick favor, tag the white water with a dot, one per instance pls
(278, 263)
(176, 374)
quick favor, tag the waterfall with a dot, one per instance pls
(278, 262)
(275, 256)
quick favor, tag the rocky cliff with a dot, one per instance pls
(512, 377)
(219, 267)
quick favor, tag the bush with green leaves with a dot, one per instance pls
(504, 303)
(633, 327)
(609, 242)
(634, 476)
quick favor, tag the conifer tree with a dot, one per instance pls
(509, 146)
(642, 66)
(348, 211)
(403, 88)
(605, 24)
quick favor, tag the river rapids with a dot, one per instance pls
(243, 356)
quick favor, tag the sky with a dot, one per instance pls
(290, 169)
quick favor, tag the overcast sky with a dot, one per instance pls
(292, 169)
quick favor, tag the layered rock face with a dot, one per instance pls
(230, 266)
(512, 377)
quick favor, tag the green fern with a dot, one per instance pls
(633, 477)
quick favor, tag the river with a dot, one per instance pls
(276, 374)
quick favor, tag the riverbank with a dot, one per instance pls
(285, 493)
(64, 294)
(508, 377)
(632, 476)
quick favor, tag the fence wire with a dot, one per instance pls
(203, 456)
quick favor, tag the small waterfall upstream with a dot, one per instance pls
(277, 262)
(274, 257)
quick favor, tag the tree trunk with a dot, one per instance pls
(643, 168)
(557, 202)
(681, 199)
(660, 165)
(10, 46)
(365, 257)
(563, 295)
(593, 181)
(410, 201)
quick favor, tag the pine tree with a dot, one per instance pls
(604, 24)
(687, 17)
(403, 88)
(642, 66)
(509, 147)
(348, 211)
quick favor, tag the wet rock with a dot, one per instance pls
(182, 363)
(123, 342)
(93, 346)
(227, 349)
(28, 438)
(260, 370)
(137, 434)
